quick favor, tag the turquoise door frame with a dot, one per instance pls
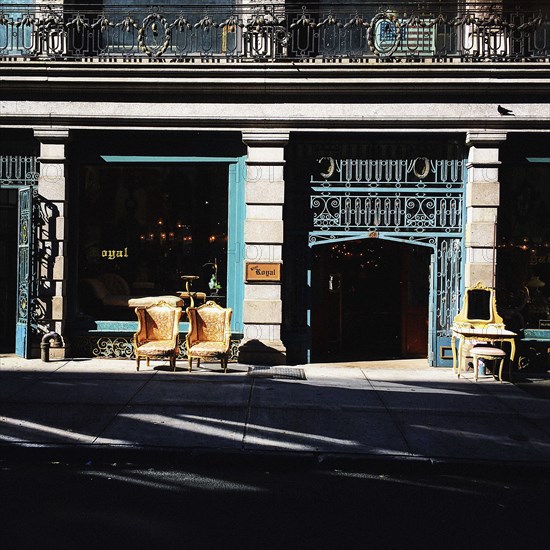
(235, 242)
(25, 278)
(235, 228)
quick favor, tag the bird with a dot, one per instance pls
(505, 112)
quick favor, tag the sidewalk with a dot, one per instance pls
(388, 410)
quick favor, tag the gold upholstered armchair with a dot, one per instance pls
(209, 333)
(157, 334)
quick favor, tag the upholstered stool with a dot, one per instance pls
(490, 353)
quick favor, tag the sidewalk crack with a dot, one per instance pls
(389, 411)
(248, 412)
(122, 407)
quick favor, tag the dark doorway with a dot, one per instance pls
(369, 301)
(8, 273)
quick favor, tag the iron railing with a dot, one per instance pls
(278, 31)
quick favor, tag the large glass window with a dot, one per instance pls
(523, 272)
(143, 227)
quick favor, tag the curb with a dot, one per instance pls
(175, 458)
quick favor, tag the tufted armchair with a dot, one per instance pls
(209, 333)
(158, 332)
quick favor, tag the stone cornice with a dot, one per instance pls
(273, 79)
(325, 97)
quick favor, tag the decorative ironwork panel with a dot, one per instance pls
(448, 284)
(409, 196)
(115, 347)
(18, 170)
(275, 31)
(121, 347)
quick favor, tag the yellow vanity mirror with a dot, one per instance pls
(479, 308)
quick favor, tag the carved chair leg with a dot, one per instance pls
(198, 362)
(137, 361)
(147, 360)
(190, 363)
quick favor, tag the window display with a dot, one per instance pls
(523, 254)
(141, 228)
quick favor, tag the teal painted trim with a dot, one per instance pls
(115, 326)
(309, 343)
(432, 306)
(463, 235)
(543, 160)
(14, 185)
(156, 160)
(536, 334)
(125, 326)
(235, 242)
(404, 237)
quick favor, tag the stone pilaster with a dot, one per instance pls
(482, 201)
(53, 233)
(263, 235)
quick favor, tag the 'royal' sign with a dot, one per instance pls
(261, 272)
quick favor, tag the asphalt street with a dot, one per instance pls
(61, 506)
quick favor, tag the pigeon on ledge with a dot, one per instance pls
(505, 112)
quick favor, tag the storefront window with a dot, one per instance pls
(523, 273)
(141, 228)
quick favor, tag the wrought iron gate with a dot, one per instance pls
(417, 201)
(21, 173)
(25, 243)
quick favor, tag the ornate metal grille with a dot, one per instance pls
(18, 170)
(120, 347)
(401, 196)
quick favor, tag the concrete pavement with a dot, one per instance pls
(387, 410)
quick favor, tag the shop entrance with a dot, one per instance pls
(370, 300)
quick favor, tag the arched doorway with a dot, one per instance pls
(370, 300)
(416, 201)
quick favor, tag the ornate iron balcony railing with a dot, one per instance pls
(277, 31)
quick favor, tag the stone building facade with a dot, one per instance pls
(382, 159)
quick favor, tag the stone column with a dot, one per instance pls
(263, 236)
(482, 201)
(53, 231)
